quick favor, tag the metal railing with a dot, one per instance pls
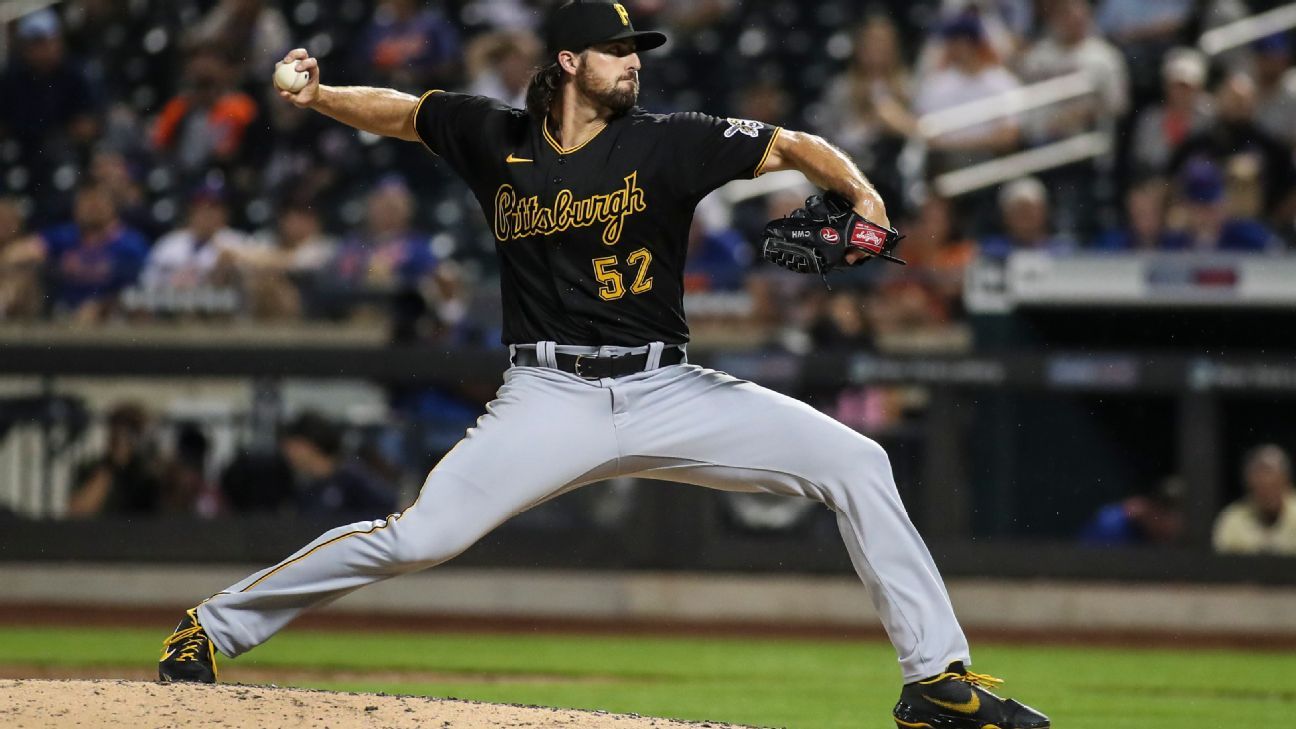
(1086, 145)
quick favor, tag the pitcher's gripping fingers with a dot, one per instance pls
(303, 61)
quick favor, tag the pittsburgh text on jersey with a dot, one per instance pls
(519, 217)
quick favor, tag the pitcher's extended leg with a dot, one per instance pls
(707, 428)
(545, 432)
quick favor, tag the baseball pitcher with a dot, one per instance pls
(590, 199)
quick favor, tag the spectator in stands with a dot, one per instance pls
(1145, 213)
(924, 296)
(20, 290)
(1275, 87)
(1024, 214)
(1135, 22)
(89, 260)
(1007, 23)
(968, 71)
(202, 254)
(842, 323)
(1072, 46)
(255, 31)
(126, 479)
(1144, 30)
(258, 481)
(186, 489)
(111, 168)
(329, 483)
(865, 109)
(765, 99)
(1264, 521)
(1160, 128)
(718, 256)
(311, 158)
(209, 123)
(281, 273)
(1156, 518)
(48, 107)
(411, 47)
(388, 253)
(500, 65)
(1236, 138)
(1205, 223)
(937, 253)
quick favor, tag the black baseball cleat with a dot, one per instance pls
(188, 655)
(961, 699)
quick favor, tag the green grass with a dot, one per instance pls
(817, 684)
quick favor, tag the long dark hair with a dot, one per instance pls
(542, 90)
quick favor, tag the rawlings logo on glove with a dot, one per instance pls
(810, 239)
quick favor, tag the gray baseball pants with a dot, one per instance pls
(548, 431)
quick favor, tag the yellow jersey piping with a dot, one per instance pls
(419, 106)
(558, 147)
(760, 166)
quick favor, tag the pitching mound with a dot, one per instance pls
(43, 704)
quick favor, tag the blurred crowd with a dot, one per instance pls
(314, 466)
(149, 467)
(149, 172)
(1261, 522)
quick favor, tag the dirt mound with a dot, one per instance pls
(45, 704)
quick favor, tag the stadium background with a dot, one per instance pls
(1073, 375)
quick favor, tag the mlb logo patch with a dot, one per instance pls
(743, 126)
(870, 239)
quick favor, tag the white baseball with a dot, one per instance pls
(288, 78)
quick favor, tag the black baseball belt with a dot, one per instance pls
(593, 367)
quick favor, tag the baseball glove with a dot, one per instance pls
(816, 238)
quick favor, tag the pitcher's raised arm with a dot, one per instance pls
(386, 112)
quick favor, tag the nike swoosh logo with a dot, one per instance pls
(969, 707)
(514, 160)
(170, 653)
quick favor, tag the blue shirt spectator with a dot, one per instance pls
(1208, 225)
(411, 47)
(54, 92)
(387, 253)
(402, 260)
(1156, 518)
(90, 266)
(1235, 234)
(91, 259)
(717, 261)
(1144, 228)
(348, 491)
(1024, 211)
(328, 482)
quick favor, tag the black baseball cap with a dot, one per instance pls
(579, 24)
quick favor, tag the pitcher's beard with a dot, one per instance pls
(615, 98)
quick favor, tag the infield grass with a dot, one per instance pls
(793, 683)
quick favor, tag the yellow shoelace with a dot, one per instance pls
(192, 640)
(983, 680)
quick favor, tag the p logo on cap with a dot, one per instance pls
(625, 16)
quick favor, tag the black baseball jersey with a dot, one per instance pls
(591, 238)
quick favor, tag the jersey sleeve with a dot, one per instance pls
(713, 150)
(460, 128)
